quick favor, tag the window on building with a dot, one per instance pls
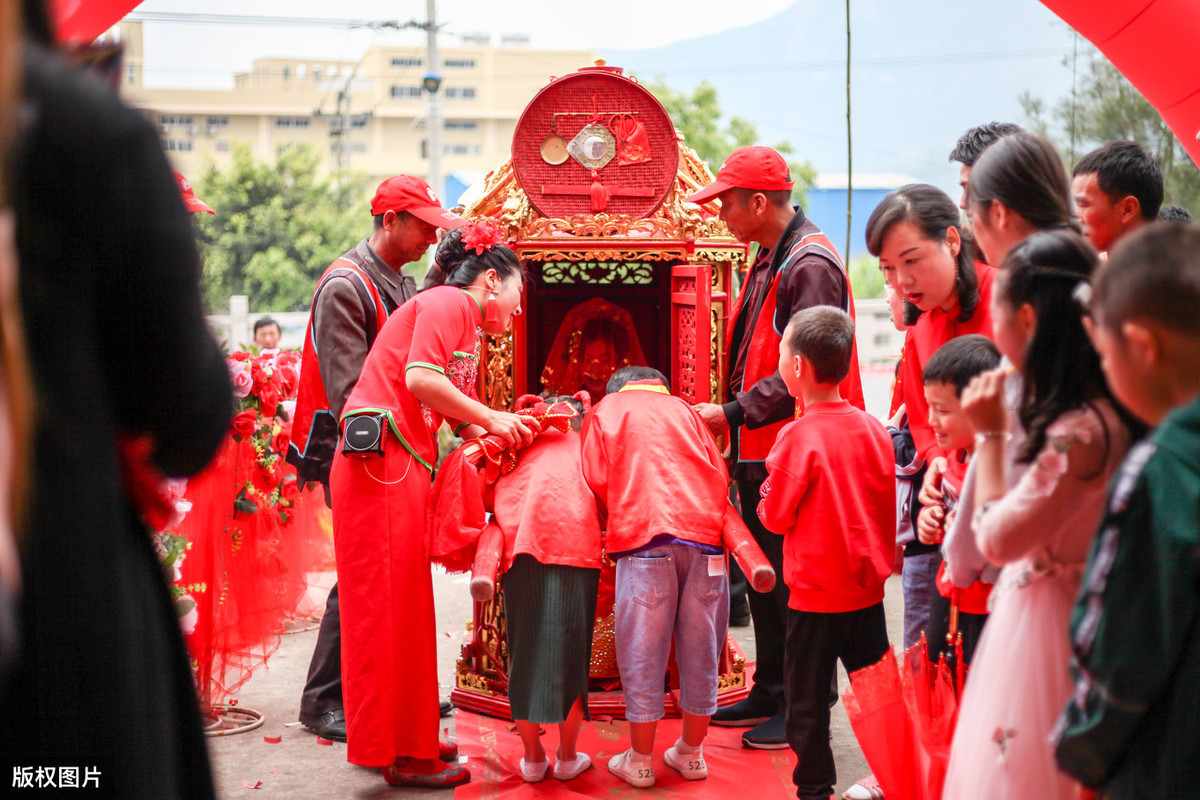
(132, 73)
(406, 62)
(174, 119)
(218, 122)
(461, 124)
(177, 145)
(287, 73)
(459, 63)
(222, 146)
(292, 122)
(406, 91)
(460, 93)
(359, 122)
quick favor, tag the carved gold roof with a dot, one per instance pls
(670, 227)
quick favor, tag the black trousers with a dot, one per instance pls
(969, 625)
(769, 611)
(323, 689)
(815, 642)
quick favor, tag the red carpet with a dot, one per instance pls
(494, 752)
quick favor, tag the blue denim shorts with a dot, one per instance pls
(673, 590)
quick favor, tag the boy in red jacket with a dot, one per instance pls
(831, 492)
(662, 486)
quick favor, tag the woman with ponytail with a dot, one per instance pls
(422, 371)
(1019, 185)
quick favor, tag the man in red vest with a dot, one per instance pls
(351, 303)
(796, 267)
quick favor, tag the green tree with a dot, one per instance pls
(698, 116)
(1105, 106)
(277, 227)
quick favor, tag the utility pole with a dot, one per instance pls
(341, 122)
(433, 100)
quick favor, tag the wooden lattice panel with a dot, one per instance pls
(594, 96)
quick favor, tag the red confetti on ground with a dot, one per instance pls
(272, 739)
(322, 740)
(233, 702)
(246, 784)
(273, 772)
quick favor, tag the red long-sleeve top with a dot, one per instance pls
(654, 468)
(831, 492)
(544, 508)
(922, 340)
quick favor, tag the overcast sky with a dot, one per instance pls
(206, 55)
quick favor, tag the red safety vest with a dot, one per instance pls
(762, 357)
(314, 426)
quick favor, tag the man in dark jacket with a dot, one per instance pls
(796, 267)
(351, 303)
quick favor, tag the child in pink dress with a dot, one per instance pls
(1040, 528)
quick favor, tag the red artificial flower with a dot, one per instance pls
(289, 490)
(289, 381)
(268, 399)
(244, 423)
(480, 236)
(240, 355)
(261, 378)
(288, 358)
(281, 442)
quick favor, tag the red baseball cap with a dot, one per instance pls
(411, 194)
(190, 201)
(754, 167)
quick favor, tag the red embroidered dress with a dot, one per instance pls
(389, 644)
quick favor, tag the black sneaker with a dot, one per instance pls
(769, 735)
(744, 714)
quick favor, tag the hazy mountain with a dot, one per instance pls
(924, 71)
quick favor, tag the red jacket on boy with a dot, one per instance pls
(654, 468)
(544, 508)
(831, 492)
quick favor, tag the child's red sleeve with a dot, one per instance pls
(784, 488)
(595, 463)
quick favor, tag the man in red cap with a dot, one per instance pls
(351, 303)
(796, 267)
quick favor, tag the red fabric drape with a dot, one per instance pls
(1153, 44)
(81, 21)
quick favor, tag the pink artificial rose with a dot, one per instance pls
(243, 382)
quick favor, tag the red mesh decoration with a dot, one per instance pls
(603, 96)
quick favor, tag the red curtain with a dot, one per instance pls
(1154, 44)
(81, 21)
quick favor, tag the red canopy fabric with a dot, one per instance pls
(1153, 44)
(81, 21)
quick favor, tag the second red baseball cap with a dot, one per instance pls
(754, 167)
(190, 201)
(411, 194)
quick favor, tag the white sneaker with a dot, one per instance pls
(532, 773)
(638, 776)
(866, 789)
(690, 765)
(566, 770)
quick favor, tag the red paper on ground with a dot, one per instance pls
(733, 771)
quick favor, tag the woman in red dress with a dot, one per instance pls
(421, 371)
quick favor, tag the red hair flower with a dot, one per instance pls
(480, 236)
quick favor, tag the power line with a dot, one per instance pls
(256, 19)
